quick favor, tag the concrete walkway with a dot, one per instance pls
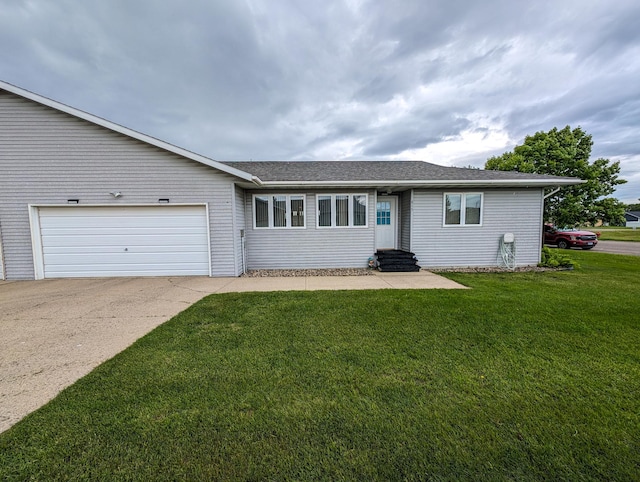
(420, 280)
(53, 332)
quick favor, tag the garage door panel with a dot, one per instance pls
(83, 241)
(123, 258)
(108, 222)
(80, 211)
(116, 268)
(120, 230)
(160, 271)
(118, 249)
(120, 240)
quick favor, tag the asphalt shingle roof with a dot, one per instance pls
(378, 171)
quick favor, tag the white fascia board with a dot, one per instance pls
(126, 131)
(434, 183)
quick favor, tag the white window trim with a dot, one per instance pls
(350, 208)
(288, 197)
(463, 202)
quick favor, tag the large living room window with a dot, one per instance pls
(278, 211)
(463, 209)
(342, 210)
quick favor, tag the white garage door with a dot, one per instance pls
(124, 241)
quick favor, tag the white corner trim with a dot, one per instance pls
(411, 218)
(2, 271)
(206, 213)
(36, 242)
(234, 229)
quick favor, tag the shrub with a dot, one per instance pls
(555, 258)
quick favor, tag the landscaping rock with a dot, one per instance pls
(270, 273)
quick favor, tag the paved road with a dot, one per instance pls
(618, 247)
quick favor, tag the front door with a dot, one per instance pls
(386, 222)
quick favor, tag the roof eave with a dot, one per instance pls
(432, 183)
(125, 131)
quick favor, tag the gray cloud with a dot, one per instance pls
(339, 79)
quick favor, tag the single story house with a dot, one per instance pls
(632, 219)
(83, 197)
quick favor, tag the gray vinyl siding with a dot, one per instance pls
(514, 211)
(311, 247)
(48, 157)
(405, 221)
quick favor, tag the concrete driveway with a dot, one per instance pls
(53, 332)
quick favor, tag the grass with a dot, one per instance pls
(527, 376)
(616, 233)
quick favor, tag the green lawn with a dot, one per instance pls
(527, 376)
(616, 233)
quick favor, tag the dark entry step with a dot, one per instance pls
(396, 260)
(399, 268)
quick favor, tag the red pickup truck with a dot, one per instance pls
(569, 238)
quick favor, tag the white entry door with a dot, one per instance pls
(386, 222)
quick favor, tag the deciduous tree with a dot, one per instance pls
(565, 152)
(633, 207)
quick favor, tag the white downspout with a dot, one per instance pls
(551, 193)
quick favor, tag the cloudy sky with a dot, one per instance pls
(451, 82)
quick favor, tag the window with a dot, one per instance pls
(383, 213)
(261, 211)
(297, 211)
(359, 210)
(279, 211)
(463, 209)
(324, 211)
(342, 210)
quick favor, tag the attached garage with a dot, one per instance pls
(101, 241)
